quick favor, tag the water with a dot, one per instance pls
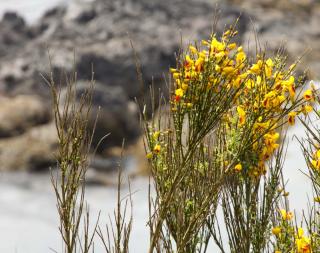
(28, 215)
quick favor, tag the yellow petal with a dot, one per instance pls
(238, 167)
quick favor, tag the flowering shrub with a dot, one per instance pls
(216, 145)
(222, 140)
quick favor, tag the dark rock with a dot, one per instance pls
(292, 24)
(112, 113)
(13, 33)
(101, 31)
(14, 21)
(86, 16)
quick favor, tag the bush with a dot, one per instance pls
(218, 143)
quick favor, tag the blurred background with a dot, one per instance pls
(100, 32)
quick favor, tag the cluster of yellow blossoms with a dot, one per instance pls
(266, 91)
(268, 97)
(156, 143)
(303, 243)
(315, 162)
(265, 99)
(289, 239)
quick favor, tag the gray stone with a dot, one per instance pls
(112, 114)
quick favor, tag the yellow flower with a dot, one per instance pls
(289, 82)
(193, 49)
(277, 251)
(277, 101)
(240, 57)
(173, 70)
(270, 141)
(242, 115)
(157, 149)
(238, 167)
(305, 109)
(228, 70)
(276, 230)
(216, 46)
(243, 75)
(155, 135)
(256, 68)
(269, 63)
(289, 86)
(179, 92)
(188, 62)
(232, 46)
(303, 243)
(226, 33)
(316, 164)
(220, 55)
(249, 84)
(291, 118)
(286, 215)
(205, 43)
(289, 215)
(308, 95)
(317, 199)
(149, 155)
(199, 64)
(292, 91)
(187, 75)
(258, 80)
(203, 54)
(176, 75)
(184, 86)
(237, 82)
(308, 108)
(258, 126)
(268, 67)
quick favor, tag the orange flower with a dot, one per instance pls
(157, 149)
(286, 215)
(179, 94)
(291, 118)
(242, 115)
(238, 167)
(308, 95)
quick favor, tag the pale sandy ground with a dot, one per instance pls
(28, 218)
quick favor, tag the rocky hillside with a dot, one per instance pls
(101, 33)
